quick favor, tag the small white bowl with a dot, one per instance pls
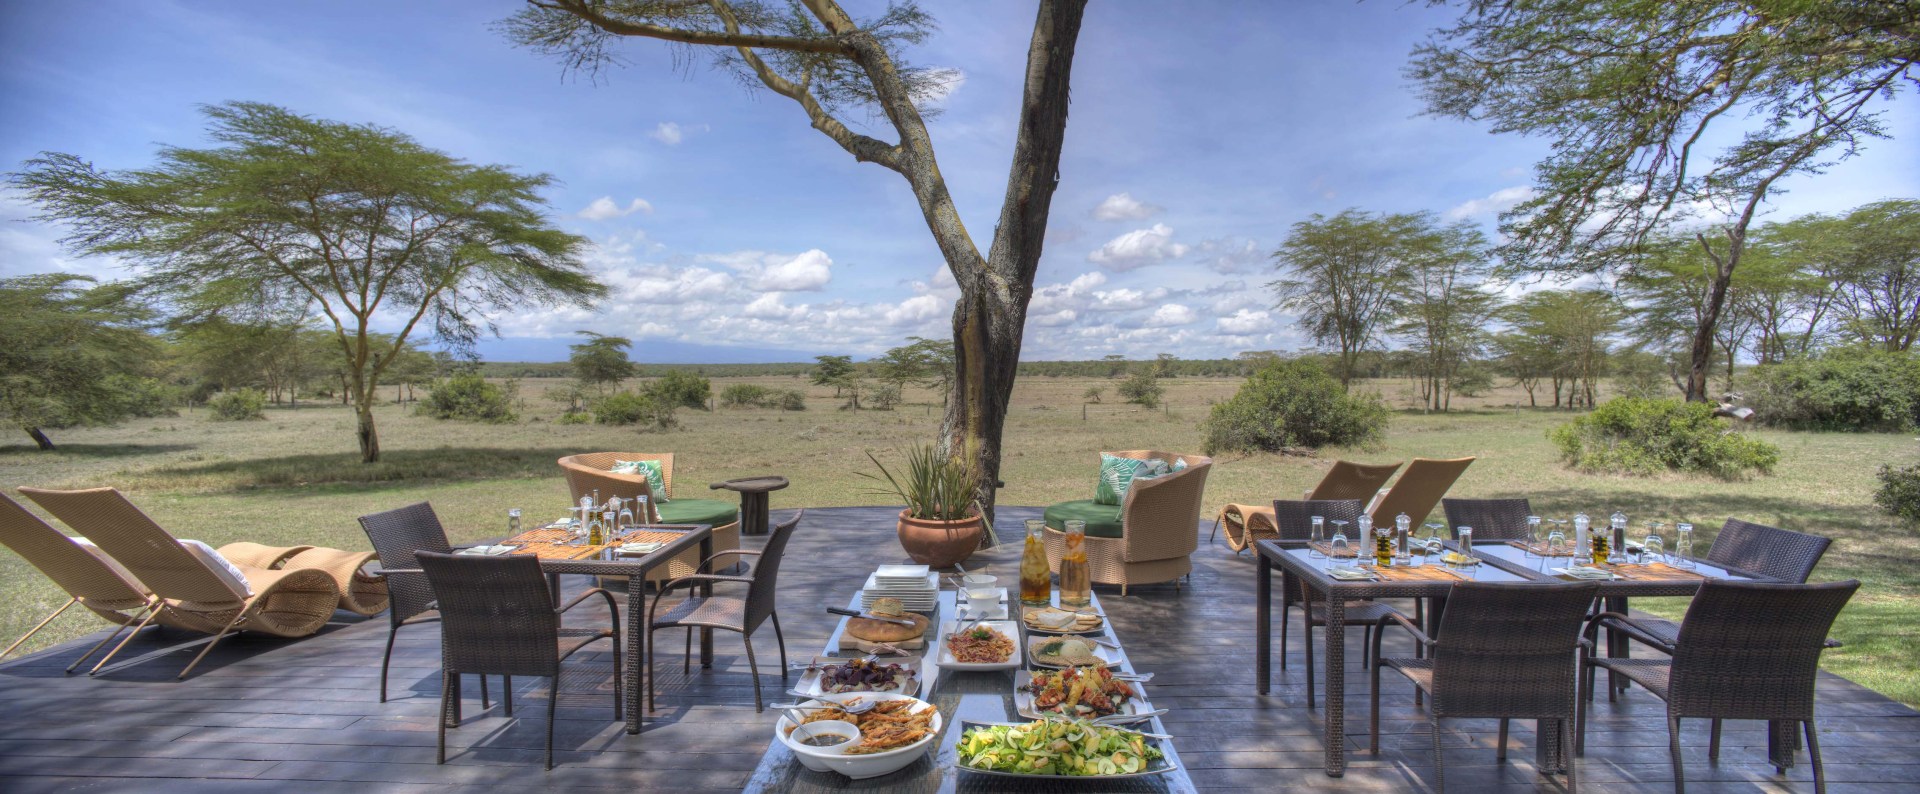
(814, 757)
(979, 580)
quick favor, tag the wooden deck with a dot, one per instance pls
(261, 713)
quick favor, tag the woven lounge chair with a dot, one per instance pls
(1418, 490)
(90, 578)
(1491, 519)
(1504, 650)
(1149, 537)
(1348, 480)
(738, 612)
(497, 617)
(1746, 651)
(589, 472)
(188, 593)
(1294, 519)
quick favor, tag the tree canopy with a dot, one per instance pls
(71, 355)
(601, 360)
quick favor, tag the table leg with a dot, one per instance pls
(706, 591)
(1336, 685)
(1263, 626)
(1618, 646)
(753, 513)
(637, 664)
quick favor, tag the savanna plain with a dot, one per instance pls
(295, 477)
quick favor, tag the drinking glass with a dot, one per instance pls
(1436, 540)
(1652, 549)
(1316, 533)
(1535, 539)
(1682, 546)
(1337, 546)
(513, 523)
(1557, 539)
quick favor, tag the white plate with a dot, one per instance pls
(1111, 656)
(1007, 627)
(929, 582)
(984, 611)
(862, 766)
(1023, 700)
(809, 684)
(902, 571)
(1034, 627)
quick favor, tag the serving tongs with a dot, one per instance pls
(870, 616)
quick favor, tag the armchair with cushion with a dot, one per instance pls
(592, 471)
(1149, 536)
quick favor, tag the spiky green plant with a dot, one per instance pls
(933, 486)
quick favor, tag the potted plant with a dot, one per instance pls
(939, 526)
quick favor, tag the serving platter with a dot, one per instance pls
(1157, 766)
(1098, 626)
(907, 684)
(1110, 657)
(1023, 699)
(1007, 627)
(860, 767)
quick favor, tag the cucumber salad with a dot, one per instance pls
(1056, 747)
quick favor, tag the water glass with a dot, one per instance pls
(513, 523)
(1338, 545)
(1652, 549)
(1682, 546)
(1316, 532)
(1536, 538)
(1557, 540)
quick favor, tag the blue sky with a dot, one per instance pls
(731, 231)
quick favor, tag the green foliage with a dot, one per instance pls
(884, 396)
(468, 397)
(69, 349)
(1472, 379)
(792, 400)
(933, 486)
(145, 397)
(1142, 388)
(601, 360)
(574, 418)
(680, 389)
(1288, 404)
(238, 405)
(835, 371)
(1640, 374)
(1341, 275)
(741, 395)
(1848, 390)
(1630, 435)
(1899, 492)
(1093, 394)
(644, 408)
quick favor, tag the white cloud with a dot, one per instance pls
(1228, 256)
(1245, 322)
(1497, 202)
(771, 307)
(915, 310)
(766, 272)
(1053, 319)
(1139, 248)
(669, 133)
(1124, 299)
(604, 208)
(1124, 207)
(1170, 315)
(946, 80)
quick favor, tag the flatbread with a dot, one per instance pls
(1072, 651)
(882, 631)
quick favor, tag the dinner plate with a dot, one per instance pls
(1006, 627)
(1097, 628)
(1112, 657)
(1592, 574)
(809, 684)
(1158, 766)
(1023, 700)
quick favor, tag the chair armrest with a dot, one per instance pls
(1418, 635)
(1633, 629)
(612, 607)
(724, 552)
(695, 578)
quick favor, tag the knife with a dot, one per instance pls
(853, 614)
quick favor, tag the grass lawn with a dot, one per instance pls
(295, 478)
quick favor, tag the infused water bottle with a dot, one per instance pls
(1036, 577)
(1076, 582)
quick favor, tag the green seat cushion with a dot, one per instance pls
(1103, 521)
(717, 512)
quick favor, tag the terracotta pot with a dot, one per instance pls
(940, 543)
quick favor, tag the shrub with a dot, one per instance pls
(1093, 394)
(679, 389)
(1899, 492)
(1643, 375)
(1631, 435)
(1843, 390)
(1292, 403)
(145, 397)
(741, 395)
(574, 418)
(629, 408)
(1142, 389)
(792, 400)
(884, 396)
(240, 405)
(471, 398)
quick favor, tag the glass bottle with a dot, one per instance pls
(643, 510)
(1076, 582)
(1402, 526)
(1036, 577)
(1362, 534)
(1600, 547)
(597, 529)
(1535, 537)
(1383, 546)
(1465, 537)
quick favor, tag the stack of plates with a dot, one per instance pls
(917, 587)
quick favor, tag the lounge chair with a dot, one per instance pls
(190, 591)
(90, 578)
(589, 472)
(1149, 537)
(1418, 490)
(1349, 480)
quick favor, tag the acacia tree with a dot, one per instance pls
(816, 54)
(601, 361)
(295, 213)
(70, 355)
(1628, 91)
(1879, 273)
(1342, 274)
(1443, 309)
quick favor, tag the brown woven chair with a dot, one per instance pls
(189, 595)
(1294, 519)
(743, 613)
(1418, 490)
(497, 617)
(1505, 651)
(589, 472)
(1746, 651)
(1491, 519)
(1160, 521)
(91, 580)
(397, 535)
(1348, 480)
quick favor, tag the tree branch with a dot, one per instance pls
(732, 38)
(863, 148)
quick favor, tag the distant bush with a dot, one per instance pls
(146, 397)
(635, 408)
(239, 405)
(1899, 492)
(792, 400)
(1143, 388)
(1631, 435)
(471, 398)
(883, 396)
(1472, 380)
(574, 418)
(1643, 375)
(679, 389)
(741, 395)
(1843, 390)
(1093, 393)
(1292, 403)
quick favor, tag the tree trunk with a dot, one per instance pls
(369, 438)
(40, 438)
(1700, 358)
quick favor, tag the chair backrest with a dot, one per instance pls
(1491, 519)
(762, 591)
(156, 558)
(1507, 650)
(1770, 551)
(496, 614)
(1166, 509)
(1751, 650)
(69, 565)
(1419, 489)
(1349, 480)
(1293, 518)
(582, 482)
(398, 535)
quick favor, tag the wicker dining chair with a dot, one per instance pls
(1491, 519)
(743, 613)
(1746, 651)
(1505, 651)
(397, 536)
(1294, 520)
(497, 617)
(1782, 554)
(1349, 480)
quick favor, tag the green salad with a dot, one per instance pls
(1055, 747)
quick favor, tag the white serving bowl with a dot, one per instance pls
(980, 580)
(860, 766)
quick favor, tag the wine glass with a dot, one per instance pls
(1316, 533)
(1535, 541)
(1337, 547)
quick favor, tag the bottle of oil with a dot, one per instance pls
(1036, 578)
(1599, 541)
(597, 529)
(1383, 545)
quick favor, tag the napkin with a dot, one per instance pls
(490, 551)
(1351, 574)
(1582, 572)
(641, 548)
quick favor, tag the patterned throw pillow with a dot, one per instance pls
(656, 476)
(1116, 475)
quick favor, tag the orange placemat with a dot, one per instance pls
(542, 535)
(1424, 573)
(1325, 548)
(556, 551)
(649, 536)
(1657, 572)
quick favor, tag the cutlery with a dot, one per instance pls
(1138, 678)
(856, 614)
(1120, 719)
(861, 707)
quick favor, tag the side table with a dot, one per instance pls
(753, 500)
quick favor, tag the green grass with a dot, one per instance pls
(295, 478)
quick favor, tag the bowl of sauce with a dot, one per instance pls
(823, 738)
